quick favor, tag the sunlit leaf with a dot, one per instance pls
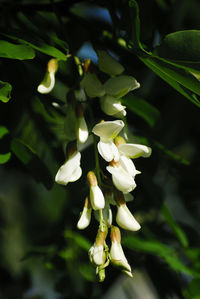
(13, 51)
(5, 91)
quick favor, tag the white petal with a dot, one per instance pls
(70, 171)
(128, 165)
(98, 255)
(108, 64)
(110, 105)
(134, 150)
(85, 218)
(122, 180)
(117, 256)
(108, 129)
(108, 150)
(125, 219)
(82, 132)
(93, 87)
(47, 83)
(96, 198)
(120, 86)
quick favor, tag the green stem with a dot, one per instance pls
(97, 161)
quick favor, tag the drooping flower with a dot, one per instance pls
(124, 217)
(120, 85)
(134, 151)
(112, 106)
(108, 64)
(117, 256)
(122, 180)
(70, 171)
(97, 254)
(107, 131)
(85, 217)
(96, 196)
(48, 82)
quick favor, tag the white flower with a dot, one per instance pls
(92, 86)
(96, 196)
(122, 180)
(48, 82)
(107, 131)
(82, 130)
(85, 217)
(125, 219)
(97, 255)
(108, 64)
(117, 256)
(128, 165)
(120, 86)
(134, 151)
(70, 171)
(112, 106)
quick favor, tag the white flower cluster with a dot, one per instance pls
(104, 191)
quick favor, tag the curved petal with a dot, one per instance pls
(92, 85)
(108, 129)
(134, 150)
(125, 219)
(118, 257)
(108, 150)
(96, 198)
(122, 180)
(128, 165)
(47, 83)
(110, 105)
(85, 218)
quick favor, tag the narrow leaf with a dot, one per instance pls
(13, 51)
(5, 91)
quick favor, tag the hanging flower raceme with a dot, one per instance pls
(117, 256)
(82, 130)
(70, 171)
(85, 217)
(124, 217)
(107, 131)
(48, 82)
(96, 196)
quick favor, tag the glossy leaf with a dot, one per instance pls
(142, 108)
(33, 163)
(13, 51)
(5, 91)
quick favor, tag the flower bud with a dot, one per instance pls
(108, 64)
(85, 217)
(82, 130)
(48, 82)
(96, 196)
(97, 254)
(117, 256)
(124, 218)
(120, 86)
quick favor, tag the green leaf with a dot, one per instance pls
(174, 226)
(135, 24)
(13, 51)
(181, 46)
(80, 240)
(32, 162)
(5, 91)
(142, 108)
(184, 83)
(4, 158)
(40, 46)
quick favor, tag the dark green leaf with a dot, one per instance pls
(32, 162)
(3, 131)
(175, 227)
(142, 108)
(135, 24)
(4, 158)
(181, 45)
(182, 82)
(41, 46)
(79, 239)
(21, 52)
(5, 91)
